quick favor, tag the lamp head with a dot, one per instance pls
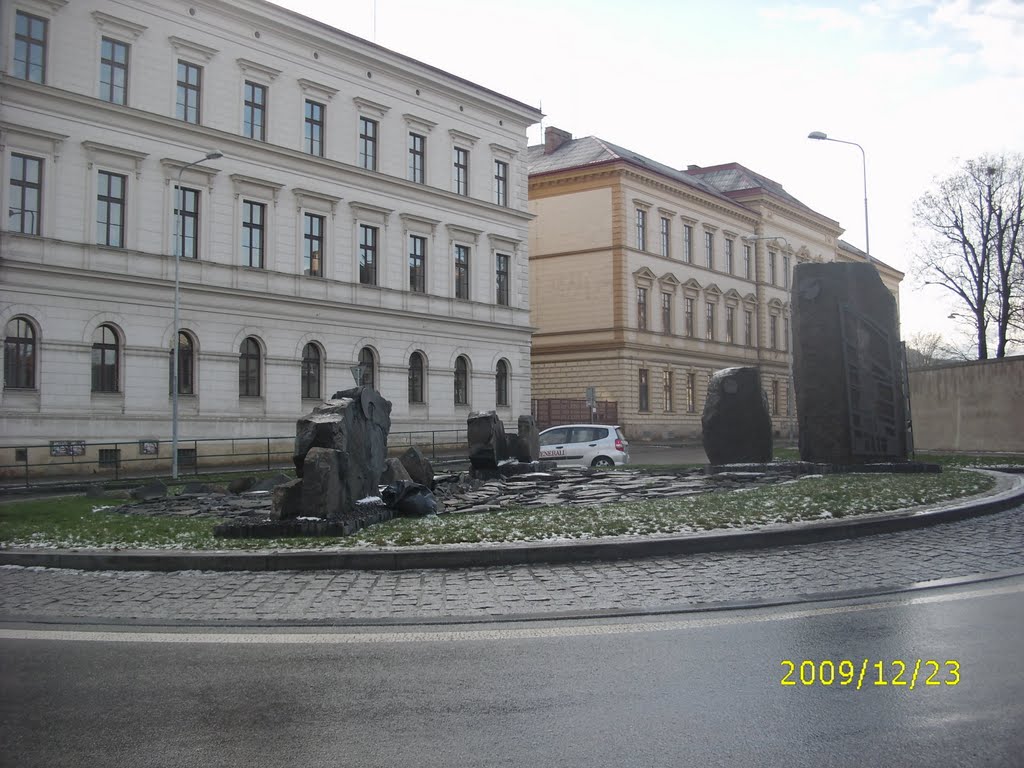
(214, 155)
(817, 135)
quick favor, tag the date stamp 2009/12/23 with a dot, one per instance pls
(846, 672)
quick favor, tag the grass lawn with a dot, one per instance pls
(78, 522)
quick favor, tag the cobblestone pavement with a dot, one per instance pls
(971, 547)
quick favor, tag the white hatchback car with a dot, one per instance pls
(589, 445)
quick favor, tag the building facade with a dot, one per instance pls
(333, 204)
(645, 280)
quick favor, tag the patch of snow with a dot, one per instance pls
(371, 500)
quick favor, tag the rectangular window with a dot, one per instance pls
(709, 326)
(643, 391)
(500, 182)
(666, 312)
(186, 223)
(709, 249)
(785, 334)
(461, 271)
(190, 83)
(746, 261)
(771, 267)
(367, 255)
(417, 158)
(312, 245)
(253, 233)
(688, 316)
(728, 255)
(113, 71)
(748, 328)
(785, 270)
(730, 324)
(460, 170)
(641, 308)
(666, 236)
(502, 264)
(773, 332)
(687, 243)
(110, 203)
(314, 137)
(691, 392)
(254, 119)
(775, 398)
(30, 47)
(641, 229)
(368, 143)
(666, 390)
(417, 264)
(25, 210)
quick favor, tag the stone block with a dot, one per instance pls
(286, 501)
(323, 492)
(486, 437)
(418, 466)
(737, 426)
(394, 471)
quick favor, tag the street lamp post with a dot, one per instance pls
(789, 344)
(820, 136)
(179, 247)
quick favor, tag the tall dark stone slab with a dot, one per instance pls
(486, 437)
(736, 424)
(849, 395)
(354, 424)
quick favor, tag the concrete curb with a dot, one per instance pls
(1009, 493)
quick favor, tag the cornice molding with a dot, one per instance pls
(128, 31)
(184, 47)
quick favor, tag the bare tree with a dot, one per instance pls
(972, 222)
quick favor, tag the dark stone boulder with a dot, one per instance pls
(287, 500)
(418, 466)
(394, 471)
(737, 426)
(486, 437)
(241, 484)
(525, 446)
(324, 492)
(269, 483)
(354, 424)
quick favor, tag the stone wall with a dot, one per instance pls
(976, 406)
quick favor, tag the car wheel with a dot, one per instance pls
(602, 461)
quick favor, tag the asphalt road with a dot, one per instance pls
(679, 690)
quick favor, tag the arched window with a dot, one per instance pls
(367, 360)
(106, 359)
(186, 365)
(416, 378)
(501, 384)
(249, 368)
(19, 355)
(461, 381)
(311, 372)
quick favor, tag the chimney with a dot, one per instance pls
(554, 138)
(692, 168)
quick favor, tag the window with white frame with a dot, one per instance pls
(501, 384)
(25, 195)
(502, 278)
(771, 267)
(189, 92)
(666, 312)
(460, 170)
(106, 359)
(110, 208)
(186, 365)
(688, 243)
(730, 324)
(30, 47)
(314, 128)
(641, 229)
(746, 262)
(250, 364)
(666, 235)
(748, 328)
(417, 264)
(254, 117)
(114, 71)
(20, 354)
(186, 222)
(416, 371)
(666, 391)
(501, 182)
(709, 321)
(368, 254)
(312, 244)
(461, 380)
(462, 253)
(641, 309)
(785, 270)
(368, 143)
(709, 249)
(417, 158)
(729, 255)
(643, 391)
(688, 309)
(310, 376)
(254, 233)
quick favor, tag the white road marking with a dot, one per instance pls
(262, 637)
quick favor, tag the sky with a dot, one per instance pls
(921, 85)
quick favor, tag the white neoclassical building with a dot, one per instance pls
(359, 207)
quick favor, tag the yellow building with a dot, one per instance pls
(645, 279)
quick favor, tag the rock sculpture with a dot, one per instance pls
(737, 427)
(486, 436)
